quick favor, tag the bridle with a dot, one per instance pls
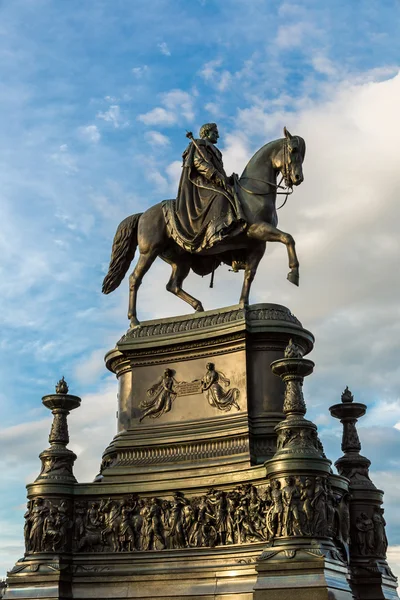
(287, 188)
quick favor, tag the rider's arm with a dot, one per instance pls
(202, 166)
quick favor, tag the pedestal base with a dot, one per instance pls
(181, 505)
(372, 579)
(302, 570)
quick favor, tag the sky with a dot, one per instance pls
(95, 100)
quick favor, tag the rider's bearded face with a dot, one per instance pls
(213, 135)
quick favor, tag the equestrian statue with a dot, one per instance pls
(215, 219)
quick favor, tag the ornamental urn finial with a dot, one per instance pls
(347, 396)
(62, 386)
(292, 350)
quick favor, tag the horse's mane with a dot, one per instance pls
(302, 148)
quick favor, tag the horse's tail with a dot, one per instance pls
(123, 252)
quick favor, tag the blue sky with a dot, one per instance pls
(95, 98)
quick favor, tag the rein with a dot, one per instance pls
(287, 191)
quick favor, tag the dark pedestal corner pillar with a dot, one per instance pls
(45, 570)
(306, 555)
(371, 576)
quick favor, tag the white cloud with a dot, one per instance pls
(114, 116)
(393, 557)
(211, 73)
(224, 81)
(213, 108)
(65, 159)
(140, 71)
(158, 116)
(159, 181)
(163, 47)
(291, 36)
(155, 138)
(210, 69)
(90, 369)
(176, 104)
(174, 171)
(236, 152)
(322, 64)
(90, 133)
(180, 100)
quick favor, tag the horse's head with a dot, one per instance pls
(289, 159)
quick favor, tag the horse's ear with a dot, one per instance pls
(287, 133)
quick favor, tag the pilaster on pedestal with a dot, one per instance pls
(371, 576)
(308, 518)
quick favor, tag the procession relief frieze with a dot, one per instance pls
(292, 506)
(214, 385)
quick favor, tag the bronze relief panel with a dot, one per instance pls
(214, 386)
(196, 389)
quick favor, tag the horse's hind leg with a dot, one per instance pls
(142, 266)
(179, 273)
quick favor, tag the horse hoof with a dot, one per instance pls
(134, 323)
(244, 305)
(199, 308)
(293, 277)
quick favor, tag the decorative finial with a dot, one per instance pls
(347, 396)
(62, 386)
(292, 350)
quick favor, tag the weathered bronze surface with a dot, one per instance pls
(371, 576)
(216, 486)
(215, 219)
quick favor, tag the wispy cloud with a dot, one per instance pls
(156, 138)
(114, 116)
(163, 47)
(90, 133)
(176, 104)
(65, 159)
(140, 71)
(215, 76)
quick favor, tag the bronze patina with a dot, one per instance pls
(216, 485)
(215, 219)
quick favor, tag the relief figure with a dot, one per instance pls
(160, 397)
(38, 515)
(365, 534)
(381, 542)
(291, 508)
(215, 393)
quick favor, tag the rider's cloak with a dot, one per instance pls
(203, 213)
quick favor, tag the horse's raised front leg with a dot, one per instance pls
(179, 273)
(252, 261)
(135, 279)
(268, 233)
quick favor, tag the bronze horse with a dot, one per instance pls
(257, 190)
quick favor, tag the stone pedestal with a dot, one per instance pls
(215, 487)
(191, 435)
